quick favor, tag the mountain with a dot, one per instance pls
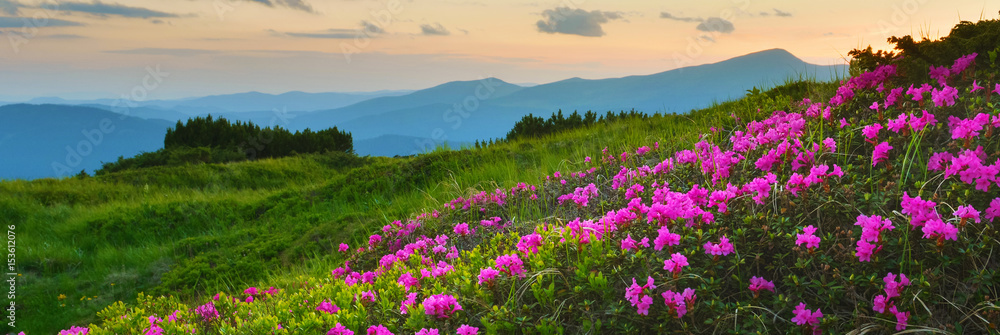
(453, 112)
(256, 101)
(433, 100)
(59, 140)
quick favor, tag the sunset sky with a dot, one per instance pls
(102, 49)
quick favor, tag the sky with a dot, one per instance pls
(168, 49)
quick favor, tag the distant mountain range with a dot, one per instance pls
(384, 123)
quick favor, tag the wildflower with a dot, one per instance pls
(665, 238)
(830, 145)
(379, 330)
(944, 97)
(467, 330)
(411, 300)
(326, 306)
(425, 331)
(207, 311)
(843, 123)
(676, 262)
(878, 304)
(586, 159)
(804, 316)
(722, 248)
(628, 243)
(975, 86)
(407, 280)
(757, 284)
(967, 212)
(645, 240)
(993, 212)
(441, 305)
(865, 250)
(511, 265)
(636, 295)
(997, 89)
(581, 196)
(892, 287)
(641, 150)
(881, 152)
(368, 296)
(962, 63)
(374, 240)
(807, 237)
(940, 73)
(901, 317)
(918, 124)
(871, 131)
(874, 106)
(462, 229)
(530, 243)
(679, 302)
(487, 275)
(940, 230)
(339, 329)
(74, 330)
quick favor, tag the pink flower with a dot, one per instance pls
(207, 312)
(628, 243)
(865, 250)
(368, 296)
(641, 150)
(408, 281)
(940, 73)
(665, 238)
(74, 330)
(993, 212)
(511, 265)
(487, 275)
(339, 329)
(462, 229)
(975, 86)
(467, 330)
(411, 300)
(962, 63)
(871, 131)
(425, 331)
(679, 302)
(326, 306)
(997, 89)
(804, 316)
(892, 287)
(344, 247)
(676, 262)
(374, 240)
(379, 330)
(878, 304)
(944, 97)
(881, 152)
(441, 305)
(830, 145)
(581, 196)
(843, 123)
(529, 243)
(874, 106)
(636, 295)
(807, 237)
(723, 248)
(586, 159)
(901, 317)
(938, 229)
(757, 284)
(897, 124)
(967, 212)
(918, 123)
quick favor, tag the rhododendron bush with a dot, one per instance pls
(800, 220)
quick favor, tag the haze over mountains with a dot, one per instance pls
(33, 138)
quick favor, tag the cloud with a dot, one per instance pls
(293, 4)
(764, 14)
(716, 24)
(371, 28)
(164, 52)
(64, 36)
(330, 33)
(564, 20)
(10, 7)
(437, 29)
(665, 15)
(780, 13)
(707, 38)
(104, 9)
(19, 22)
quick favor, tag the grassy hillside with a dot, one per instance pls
(868, 205)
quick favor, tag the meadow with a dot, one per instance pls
(867, 205)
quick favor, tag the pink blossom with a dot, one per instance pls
(865, 250)
(679, 302)
(901, 317)
(722, 248)
(425, 331)
(967, 212)
(804, 316)
(326, 306)
(206, 311)
(628, 243)
(581, 196)
(408, 281)
(893, 287)
(487, 275)
(676, 262)
(997, 89)
(441, 305)
(665, 238)
(344, 247)
(636, 295)
(897, 124)
(74, 330)
(918, 92)
(975, 86)
(467, 330)
(944, 97)
(878, 304)
(881, 152)
(368, 296)
(529, 243)
(938, 229)
(962, 63)
(940, 73)
(918, 124)
(641, 150)
(379, 330)
(411, 300)
(993, 212)
(511, 265)
(339, 329)
(830, 145)
(757, 284)
(920, 210)
(462, 229)
(807, 237)
(374, 240)
(843, 123)
(871, 131)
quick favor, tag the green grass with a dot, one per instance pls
(194, 229)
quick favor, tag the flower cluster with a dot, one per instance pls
(871, 230)
(679, 302)
(884, 303)
(636, 295)
(441, 306)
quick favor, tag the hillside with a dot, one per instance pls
(867, 205)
